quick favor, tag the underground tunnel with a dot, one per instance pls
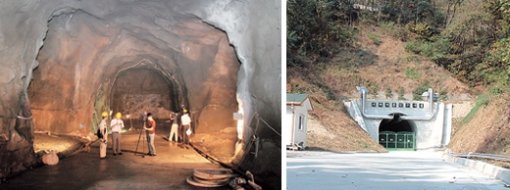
(132, 57)
(397, 133)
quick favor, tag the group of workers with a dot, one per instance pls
(178, 133)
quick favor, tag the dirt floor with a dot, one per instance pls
(168, 170)
(60, 144)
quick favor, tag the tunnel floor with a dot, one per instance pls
(59, 144)
(168, 170)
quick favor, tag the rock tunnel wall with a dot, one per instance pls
(167, 36)
(82, 52)
(142, 89)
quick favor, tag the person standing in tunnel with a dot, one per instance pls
(102, 135)
(174, 135)
(117, 124)
(150, 130)
(186, 126)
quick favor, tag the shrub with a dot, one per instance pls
(418, 91)
(388, 93)
(375, 39)
(412, 73)
(401, 93)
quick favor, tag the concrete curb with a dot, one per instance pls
(496, 172)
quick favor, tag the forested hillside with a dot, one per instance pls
(457, 47)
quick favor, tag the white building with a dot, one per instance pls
(296, 118)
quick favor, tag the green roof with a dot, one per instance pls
(296, 98)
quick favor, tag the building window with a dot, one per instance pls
(301, 122)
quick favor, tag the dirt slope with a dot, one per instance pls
(487, 132)
(381, 66)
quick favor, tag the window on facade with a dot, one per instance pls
(301, 122)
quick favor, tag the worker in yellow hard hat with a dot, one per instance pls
(117, 124)
(102, 135)
(104, 114)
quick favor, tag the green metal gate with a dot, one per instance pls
(398, 140)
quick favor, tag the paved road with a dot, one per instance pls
(385, 171)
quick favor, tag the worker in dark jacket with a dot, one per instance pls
(150, 130)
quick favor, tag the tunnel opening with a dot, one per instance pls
(142, 89)
(397, 133)
(89, 65)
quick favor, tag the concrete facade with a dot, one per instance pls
(430, 120)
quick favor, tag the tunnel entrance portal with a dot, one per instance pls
(397, 134)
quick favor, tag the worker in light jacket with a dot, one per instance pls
(102, 135)
(186, 126)
(117, 125)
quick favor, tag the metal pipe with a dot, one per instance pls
(363, 91)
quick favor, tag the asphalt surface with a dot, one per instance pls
(382, 171)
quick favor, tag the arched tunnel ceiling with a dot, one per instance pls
(147, 24)
(82, 52)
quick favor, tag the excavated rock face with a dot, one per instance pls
(64, 62)
(88, 65)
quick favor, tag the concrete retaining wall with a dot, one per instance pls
(497, 172)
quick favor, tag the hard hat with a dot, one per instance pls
(104, 114)
(118, 115)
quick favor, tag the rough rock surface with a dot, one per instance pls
(50, 159)
(88, 43)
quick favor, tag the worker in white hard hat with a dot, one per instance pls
(186, 126)
(117, 125)
(102, 135)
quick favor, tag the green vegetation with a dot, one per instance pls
(433, 49)
(317, 28)
(401, 93)
(481, 100)
(473, 44)
(470, 38)
(375, 39)
(388, 93)
(373, 89)
(418, 91)
(412, 73)
(443, 95)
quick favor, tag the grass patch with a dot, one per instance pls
(435, 49)
(395, 31)
(412, 73)
(375, 39)
(481, 100)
